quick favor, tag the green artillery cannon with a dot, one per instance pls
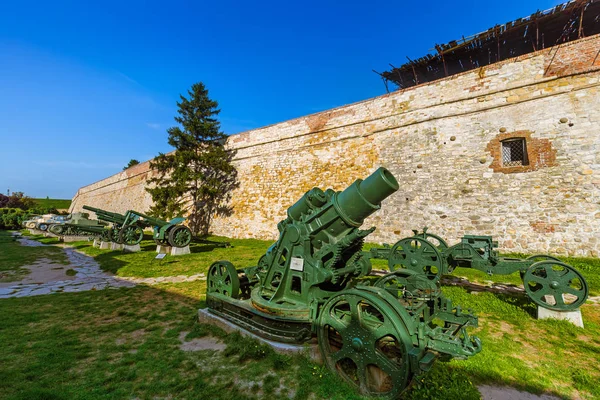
(549, 282)
(79, 224)
(377, 337)
(165, 232)
(125, 229)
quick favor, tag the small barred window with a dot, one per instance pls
(514, 152)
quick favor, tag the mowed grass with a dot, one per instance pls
(59, 204)
(13, 257)
(126, 344)
(242, 253)
(538, 356)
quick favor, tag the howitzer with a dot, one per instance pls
(165, 232)
(126, 229)
(309, 284)
(549, 282)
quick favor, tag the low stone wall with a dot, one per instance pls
(443, 142)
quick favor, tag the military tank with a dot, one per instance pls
(79, 224)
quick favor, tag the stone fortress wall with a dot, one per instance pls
(442, 140)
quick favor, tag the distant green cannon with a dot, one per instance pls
(165, 232)
(126, 229)
(549, 282)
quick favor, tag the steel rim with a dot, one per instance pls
(555, 285)
(131, 235)
(223, 279)
(416, 254)
(180, 236)
(359, 341)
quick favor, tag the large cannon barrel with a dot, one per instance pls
(364, 197)
(105, 215)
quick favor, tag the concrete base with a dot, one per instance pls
(572, 316)
(311, 348)
(174, 251)
(179, 251)
(96, 243)
(105, 245)
(132, 249)
(160, 249)
(69, 239)
(116, 246)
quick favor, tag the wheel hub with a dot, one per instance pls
(357, 344)
(554, 285)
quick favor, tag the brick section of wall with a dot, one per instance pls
(435, 139)
(540, 153)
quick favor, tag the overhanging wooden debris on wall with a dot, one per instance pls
(563, 23)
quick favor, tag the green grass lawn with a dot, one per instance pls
(13, 257)
(126, 343)
(59, 204)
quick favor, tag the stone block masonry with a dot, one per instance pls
(443, 141)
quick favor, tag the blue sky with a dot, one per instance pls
(87, 86)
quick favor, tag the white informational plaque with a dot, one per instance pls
(297, 264)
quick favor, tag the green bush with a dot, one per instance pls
(11, 218)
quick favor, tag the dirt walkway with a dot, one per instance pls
(47, 277)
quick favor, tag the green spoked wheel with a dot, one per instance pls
(115, 236)
(105, 235)
(131, 235)
(411, 288)
(180, 236)
(416, 254)
(223, 279)
(436, 240)
(555, 285)
(363, 339)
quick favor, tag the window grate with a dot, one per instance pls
(514, 153)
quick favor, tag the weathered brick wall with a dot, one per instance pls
(442, 141)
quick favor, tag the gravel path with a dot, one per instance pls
(89, 276)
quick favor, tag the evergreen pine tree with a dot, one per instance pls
(195, 180)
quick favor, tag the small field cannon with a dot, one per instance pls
(79, 224)
(125, 229)
(549, 282)
(377, 334)
(165, 232)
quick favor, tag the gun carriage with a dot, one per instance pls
(549, 282)
(309, 284)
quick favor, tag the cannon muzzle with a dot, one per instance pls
(364, 197)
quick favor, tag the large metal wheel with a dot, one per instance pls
(180, 236)
(416, 254)
(411, 288)
(56, 229)
(223, 279)
(363, 339)
(131, 235)
(435, 240)
(105, 235)
(115, 236)
(555, 285)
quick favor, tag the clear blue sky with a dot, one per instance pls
(87, 86)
